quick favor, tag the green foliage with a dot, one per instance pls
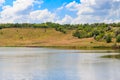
(61, 29)
(108, 28)
(115, 24)
(118, 38)
(80, 34)
(77, 34)
(95, 32)
(0, 27)
(108, 38)
(99, 37)
(21, 37)
(117, 32)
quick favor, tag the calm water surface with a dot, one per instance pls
(55, 64)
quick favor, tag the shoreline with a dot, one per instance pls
(70, 47)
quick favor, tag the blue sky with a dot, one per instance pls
(49, 4)
(53, 4)
(59, 11)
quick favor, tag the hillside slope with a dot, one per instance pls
(38, 37)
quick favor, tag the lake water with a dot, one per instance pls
(56, 64)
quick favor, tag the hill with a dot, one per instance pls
(37, 37)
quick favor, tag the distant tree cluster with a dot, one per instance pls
(99, 31)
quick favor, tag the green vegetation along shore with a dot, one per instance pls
(117, 56)
(87, 36)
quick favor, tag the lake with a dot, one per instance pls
(57, 64)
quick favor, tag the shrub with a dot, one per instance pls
(80, 34)
(61, 29)
(21, 37)
(118, 38)
(89, 35)
(109, 28)
(108, 38)
(77, 34)
(99, 37)
(0, 27)
(95, 33)
(117, 32)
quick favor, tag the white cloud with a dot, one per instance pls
(90, 11)
(42, 16)
(22, 11)
(1, 2)
(19, 8)
(61, 7)
(66, 20)
(73, 6)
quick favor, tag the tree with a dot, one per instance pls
(80, 34)
(118, 38)
(0, 27)
(45, 27)
(108, 38)
(77, 34)
(117, 32)
(95, 32)
(61, 29)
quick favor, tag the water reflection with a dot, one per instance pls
(50, 64)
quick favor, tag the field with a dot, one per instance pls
(36, 37)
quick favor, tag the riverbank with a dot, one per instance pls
(117, 56)
(37, 37)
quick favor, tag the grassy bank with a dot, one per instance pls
(112, 56)
(36, 37)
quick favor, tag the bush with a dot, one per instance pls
(21, 37)
(99, 37)
(0, 27)
(77, 34)
(118, 38)
(89, 35)
(80, 34)
(61, 29)
(117, 32)
(108, 38)
(95, 33)
(109, 28)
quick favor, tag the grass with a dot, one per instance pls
(51, 38)
(112, 56)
